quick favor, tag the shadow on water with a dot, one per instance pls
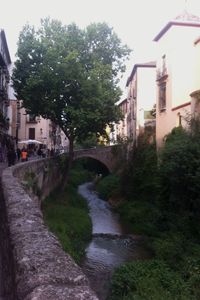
(110, 246)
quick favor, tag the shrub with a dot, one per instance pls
(78, 175)
(180, 173)
(190, 268)
(62, 162)
(139, 179)
(148, 280)
(170, 248)
(108, 186)
(140, 217)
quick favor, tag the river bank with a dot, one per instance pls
(85, 224)
(161, 201)
(110, 246)
(67, 216)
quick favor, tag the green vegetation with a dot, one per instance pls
(70, 76)
(66, 215)
(89, 142)
(150, 280)
(161, 199)
(108, 186)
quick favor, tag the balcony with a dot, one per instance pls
(31, 119)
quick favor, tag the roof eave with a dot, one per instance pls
(174, 23)
(144, 65)
(6, 45)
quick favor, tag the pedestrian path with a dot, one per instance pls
(3, 294)
(2, 167)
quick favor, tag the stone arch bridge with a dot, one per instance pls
(104, 154)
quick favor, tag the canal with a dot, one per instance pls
(110, 246)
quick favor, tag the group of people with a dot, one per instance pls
(16, 155)
(23, 154)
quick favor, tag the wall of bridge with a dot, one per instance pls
(40, 268)
(102, 154)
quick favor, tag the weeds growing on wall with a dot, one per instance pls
(30, 183)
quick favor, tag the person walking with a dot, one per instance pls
(24, 155)
(11, 156)
(18, 154)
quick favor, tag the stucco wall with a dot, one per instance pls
(42, 270)
(182, 61)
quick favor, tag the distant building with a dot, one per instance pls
(43, 130)
(195, 94)
(5, 120)
(141, 97)
(15, 123)
(5, 62)
(178, 75)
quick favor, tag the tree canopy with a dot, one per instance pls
(70, 75)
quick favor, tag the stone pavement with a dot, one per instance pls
(2, 166)
(3, 294)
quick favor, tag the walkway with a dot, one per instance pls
(4, 292)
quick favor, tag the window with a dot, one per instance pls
(162, 68)
(179, 120)
(31, 118)
(32, 133)
(162, 96)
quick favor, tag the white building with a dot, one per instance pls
(141, 86)
(177, 74)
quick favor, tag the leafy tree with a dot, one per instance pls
(70, 76)
(4, 124)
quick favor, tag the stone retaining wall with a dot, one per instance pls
(43, 271)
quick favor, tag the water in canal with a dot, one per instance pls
(110, 246)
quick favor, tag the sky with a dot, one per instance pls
(136, 22)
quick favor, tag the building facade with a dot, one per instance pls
(141, 98)
(31, 127)
(5, 62)
(6, 140)
(195, 94)
(177, 73)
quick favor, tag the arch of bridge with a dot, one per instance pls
(102, 154)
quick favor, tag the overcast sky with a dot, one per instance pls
(136, 22)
